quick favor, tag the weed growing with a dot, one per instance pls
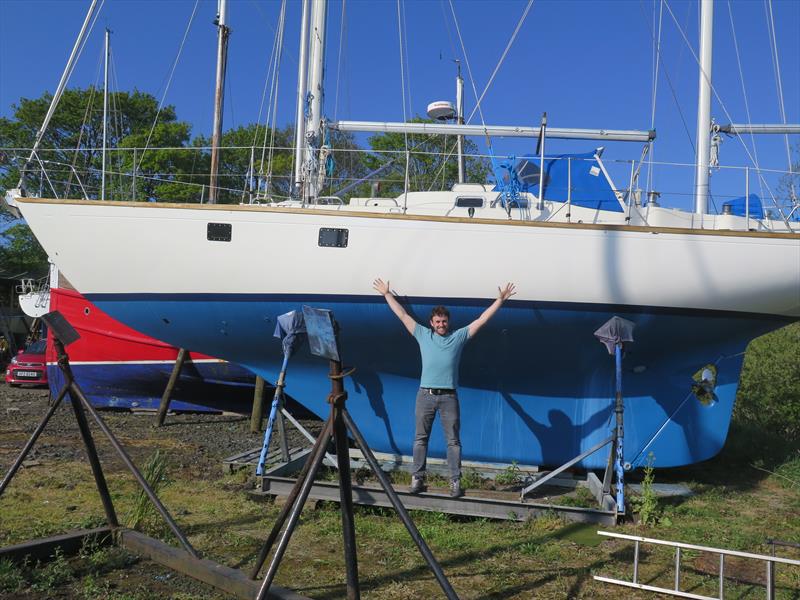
(471, 479)
(52, 575)
(12, 578)
(155, 473)
(646, 503)
(510, 476)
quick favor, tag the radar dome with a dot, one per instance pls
(441, 110)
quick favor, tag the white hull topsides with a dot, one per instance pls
(434, 253)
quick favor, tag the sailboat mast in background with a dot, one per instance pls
(219, 95)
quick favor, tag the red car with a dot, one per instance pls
(29, 366)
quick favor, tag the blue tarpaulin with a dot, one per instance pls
(590, 187)
(739, 206)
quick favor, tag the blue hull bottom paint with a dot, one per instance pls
(202, 387)
(535, 387)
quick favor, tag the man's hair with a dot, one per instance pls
(440, 311)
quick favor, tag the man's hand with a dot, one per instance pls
(505, 293)
(384, 290)
(381, 287)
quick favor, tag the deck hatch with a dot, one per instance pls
(332, 237)
(219, 232)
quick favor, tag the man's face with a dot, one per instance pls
(440, 325)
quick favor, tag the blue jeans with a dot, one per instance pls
(449, 413)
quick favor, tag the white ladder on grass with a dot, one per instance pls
(770, 561)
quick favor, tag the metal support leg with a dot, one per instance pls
(399, 508)
(564, 467)
(319, 447)
(346, 499)
(677, 569)
(34, 436)
(294, 516)
(284, 441)
(76, 392)
(94, 460)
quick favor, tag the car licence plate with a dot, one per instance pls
(28, 374)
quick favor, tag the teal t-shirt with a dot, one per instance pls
(441, 356)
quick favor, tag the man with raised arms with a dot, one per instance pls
(440, 350)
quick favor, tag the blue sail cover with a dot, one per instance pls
(590, 187)
(739, 206)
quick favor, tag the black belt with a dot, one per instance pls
(440, 391)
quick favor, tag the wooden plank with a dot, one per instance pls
(219, 576)
(69, 543)
(469, 505)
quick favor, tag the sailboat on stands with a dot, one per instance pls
(535, 386)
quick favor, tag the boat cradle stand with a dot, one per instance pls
(185, 561)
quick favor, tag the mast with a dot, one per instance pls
(105, 115)
(300, 118)
(704, 107)
(460, 121)
(219, 94)
(316, 68)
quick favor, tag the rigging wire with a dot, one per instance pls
(469, 71)
(268, 83)
(169, 82)
(672, 90)
(272, 110)
(503, 57)
(723, 107)
(405, 117)
(654, 92)
(776, 66)
(342, 41)
(744, 92)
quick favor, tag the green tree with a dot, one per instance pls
(432, 161)
(71, 148)
(20, 252)
(272, 171)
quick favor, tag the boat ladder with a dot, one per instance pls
(769, 566)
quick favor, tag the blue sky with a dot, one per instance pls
(588, 64)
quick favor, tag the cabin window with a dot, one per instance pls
(219, 232)
(331, 237)
(469, 202)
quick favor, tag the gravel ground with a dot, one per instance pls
(200, 441)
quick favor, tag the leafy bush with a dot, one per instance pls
(769, 388)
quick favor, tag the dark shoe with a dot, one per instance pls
(455, 488)
(417, 485)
